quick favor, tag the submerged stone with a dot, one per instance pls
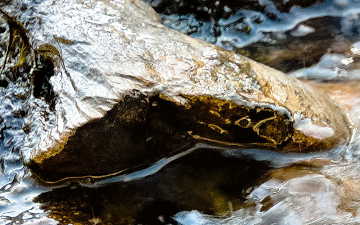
(286, 35)
(127, 91)
(304, 45)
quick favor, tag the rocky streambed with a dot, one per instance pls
(109, 117)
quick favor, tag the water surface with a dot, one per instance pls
(209, 186)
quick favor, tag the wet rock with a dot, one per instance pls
(18, 50)
(301, 46)
(325, 45)
(128, 91)
(346, 94)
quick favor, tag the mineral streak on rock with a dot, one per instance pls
(129, 91)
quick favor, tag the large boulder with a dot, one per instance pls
(125, 91)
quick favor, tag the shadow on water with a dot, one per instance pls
(212, 180)
(203, 180)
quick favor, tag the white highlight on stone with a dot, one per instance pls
(347, 61)
(307, 127)
(355, 49)
(302, 30)
(342, 3)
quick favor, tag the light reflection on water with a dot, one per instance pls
(230, 34)
(294, 194)
(329, 195)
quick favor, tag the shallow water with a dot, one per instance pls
(296, 194)
(281, 35)
(293, 194)
(260, 187)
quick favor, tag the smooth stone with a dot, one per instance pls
(127, 91)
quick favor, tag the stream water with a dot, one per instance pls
(206, 185)
(315, 42)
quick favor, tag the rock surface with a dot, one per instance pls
(125, 91)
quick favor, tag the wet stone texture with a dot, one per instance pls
(94, 91)
(154, 94)
(18, 103)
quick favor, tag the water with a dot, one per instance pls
(277, 33)
(326, 193)
(209, 186)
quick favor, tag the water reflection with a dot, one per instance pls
(17, 189)
(324, 191)
(324, 36)
(204, 180)
(287, 35)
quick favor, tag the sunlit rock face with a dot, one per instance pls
(123, 91)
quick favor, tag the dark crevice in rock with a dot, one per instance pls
(125, 137)
(2, 29)
(41, 75)
(4, 83)
(141, 130)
